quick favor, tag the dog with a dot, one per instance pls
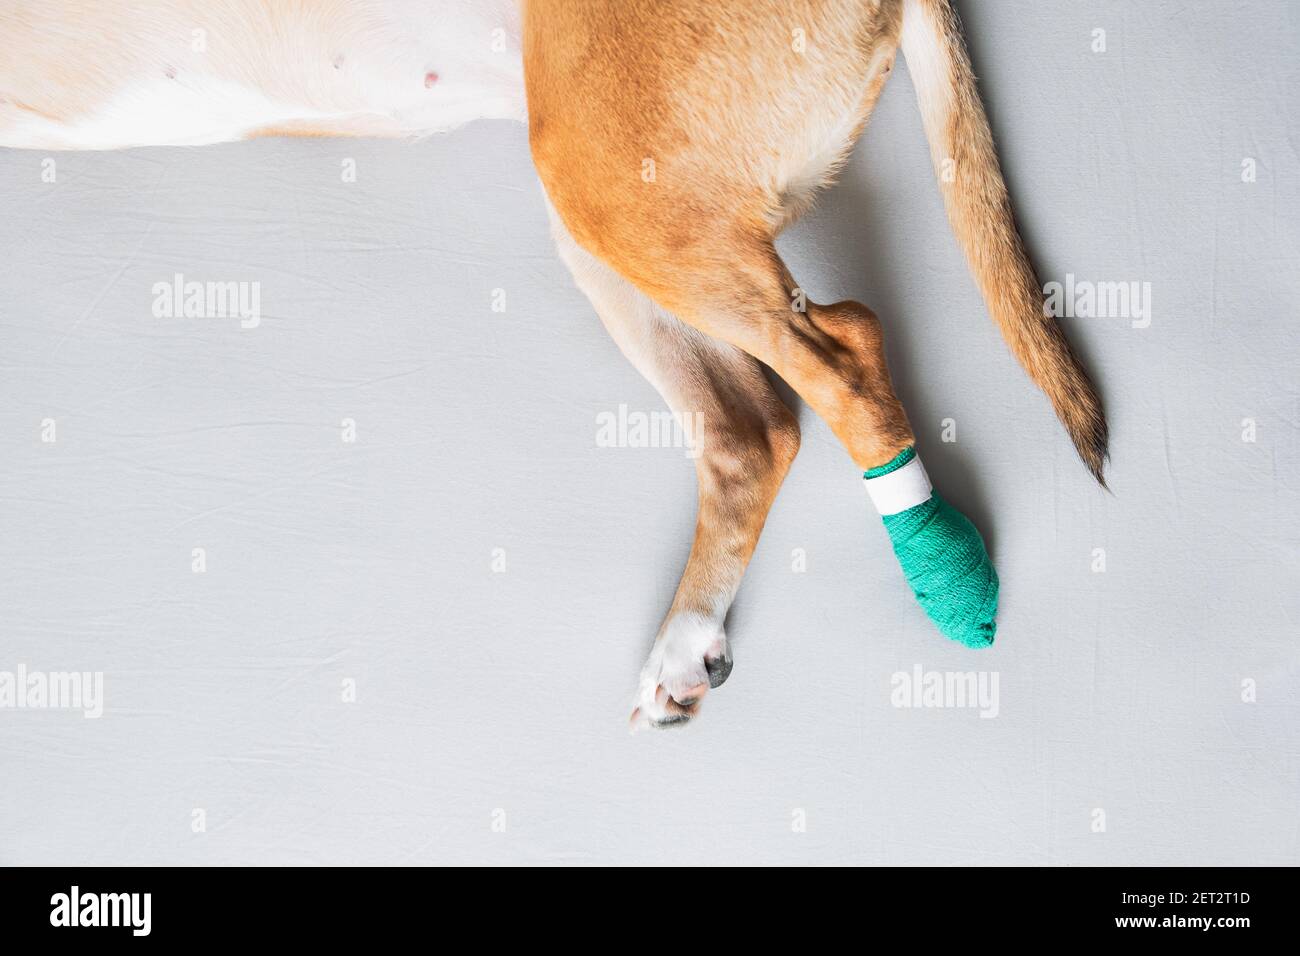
(674, 140)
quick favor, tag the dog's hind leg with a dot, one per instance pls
(744, 440)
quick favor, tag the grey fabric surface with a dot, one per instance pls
(489, 720)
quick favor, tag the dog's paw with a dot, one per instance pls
(690, 656)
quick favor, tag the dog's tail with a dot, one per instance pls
(980, 212)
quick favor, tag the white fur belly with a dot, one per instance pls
(356, 67)
(160, 111)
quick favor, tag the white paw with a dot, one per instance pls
(690, 656)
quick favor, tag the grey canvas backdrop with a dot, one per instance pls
(499, 696)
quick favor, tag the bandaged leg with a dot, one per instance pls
(941, 553)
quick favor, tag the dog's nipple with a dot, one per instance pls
(430, 78)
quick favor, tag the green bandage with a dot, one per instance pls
(941, 553)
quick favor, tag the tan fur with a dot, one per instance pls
(980, 212)
(731, 116)
(733, 119)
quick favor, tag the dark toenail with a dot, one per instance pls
(673, 720)
(687, 701)
(719, 670)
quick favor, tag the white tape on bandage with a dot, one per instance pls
(901, 489)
